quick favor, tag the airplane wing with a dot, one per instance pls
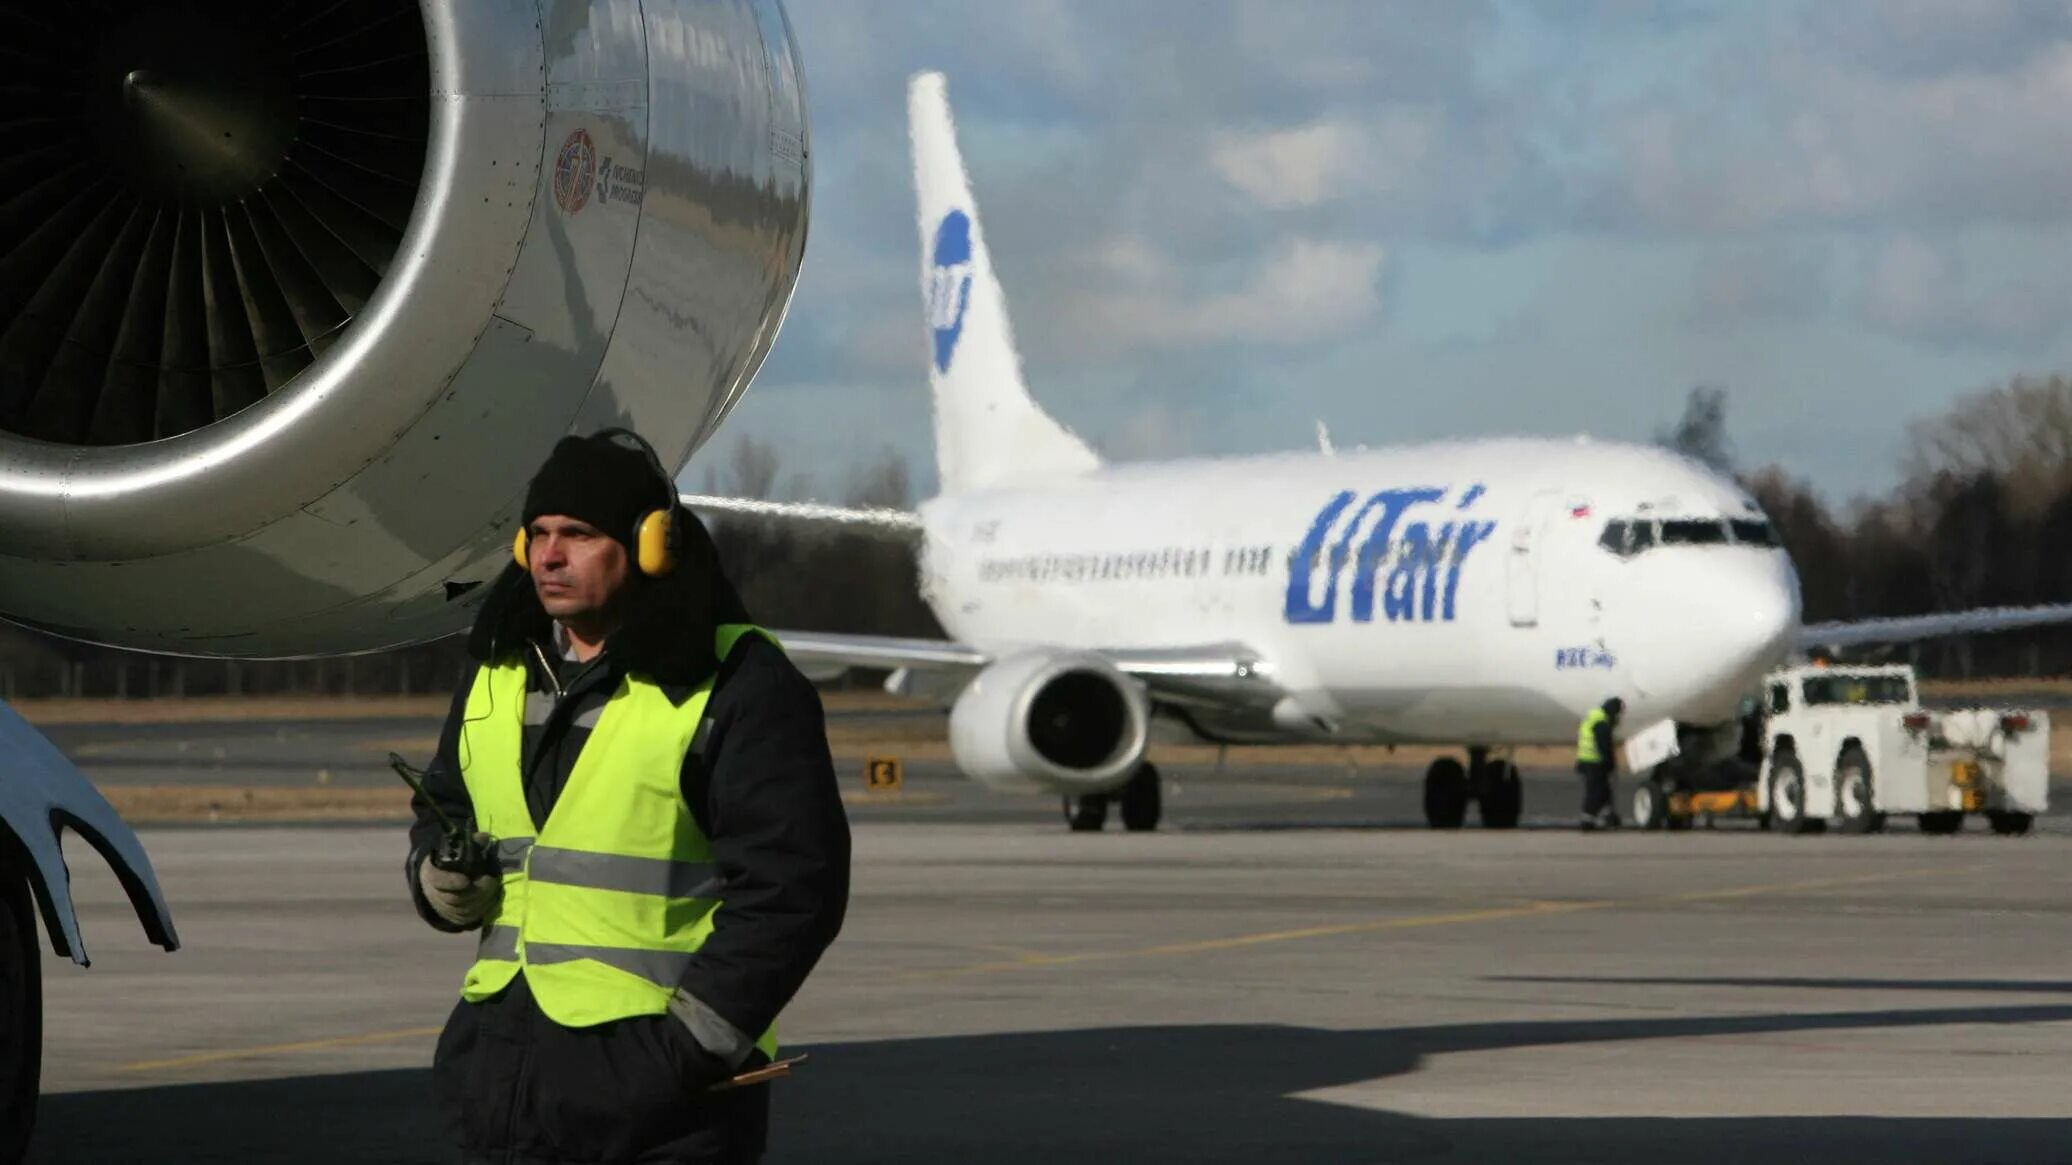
(895, 525)
(1218, 671)
(1911, 627)
(821, 647)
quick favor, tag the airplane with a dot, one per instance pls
(297, 297)
(1484, 593)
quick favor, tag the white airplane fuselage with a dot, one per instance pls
(1451, 593)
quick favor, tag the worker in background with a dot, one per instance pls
(671, 851)
(1595, 755)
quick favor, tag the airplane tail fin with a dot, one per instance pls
(988, 432)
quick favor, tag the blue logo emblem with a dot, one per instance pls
(1412, 569)
(949, 285)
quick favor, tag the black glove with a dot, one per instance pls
(700, 1068)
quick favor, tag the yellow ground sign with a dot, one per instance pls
(882, 774)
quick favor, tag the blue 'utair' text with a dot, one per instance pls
(1411, 570)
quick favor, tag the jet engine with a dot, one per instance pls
(294, 297)
(1060, 721)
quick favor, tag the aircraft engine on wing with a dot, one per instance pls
(294, 297)
(1060, 721)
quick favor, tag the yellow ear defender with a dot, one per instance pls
(655, 536)
(654, 542)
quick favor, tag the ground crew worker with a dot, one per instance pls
(1595, 754)
(653, 774)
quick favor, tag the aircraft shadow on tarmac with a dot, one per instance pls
(1155, 1095)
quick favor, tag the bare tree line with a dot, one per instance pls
(819, 576)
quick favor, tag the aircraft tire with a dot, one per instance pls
(1651, 805)
(1940, 822)
(1086, 813)
(1854, 794)
(1446, 794)
(1788, 796)
(1502, 798)
(1142, 800)
(21, 1016)
(2010, 824)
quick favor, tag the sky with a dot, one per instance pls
(1220, 222)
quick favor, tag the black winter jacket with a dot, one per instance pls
(516, 1087)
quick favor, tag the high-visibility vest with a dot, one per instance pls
(1586, 738)
(604, 904)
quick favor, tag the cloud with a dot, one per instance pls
(1831, 144)
(1929, 38)
(1326, 161)
(1757, 283)
(1153, 430)
(1302, 291)
(1923, 292)
(1285, 168)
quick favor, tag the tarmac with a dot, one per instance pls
(1292, 971)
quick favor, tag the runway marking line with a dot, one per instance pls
(217, 1057)
(1023, 960)
(1535, 909)
(892, 797)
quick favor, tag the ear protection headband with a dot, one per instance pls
(656, 541)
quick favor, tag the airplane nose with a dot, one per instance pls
(1748, 614)
(1716, 624)
(1762, 622)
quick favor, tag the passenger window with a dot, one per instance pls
(1614, 538)
(1780, 698)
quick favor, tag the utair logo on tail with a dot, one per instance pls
(1417, 569)
(949, 284)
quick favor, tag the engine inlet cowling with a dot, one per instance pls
(295, 296)
(1065, 721)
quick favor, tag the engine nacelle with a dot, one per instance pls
(1060, 721)
(294, 297)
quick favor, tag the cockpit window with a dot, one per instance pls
(1693, 532)
(1626, 537)
(1754, 532)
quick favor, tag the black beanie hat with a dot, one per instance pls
(606, 479)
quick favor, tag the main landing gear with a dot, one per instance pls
(1141, 801)
(1490, 783)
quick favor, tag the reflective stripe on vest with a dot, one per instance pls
(1586, 738)
(603, 905)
